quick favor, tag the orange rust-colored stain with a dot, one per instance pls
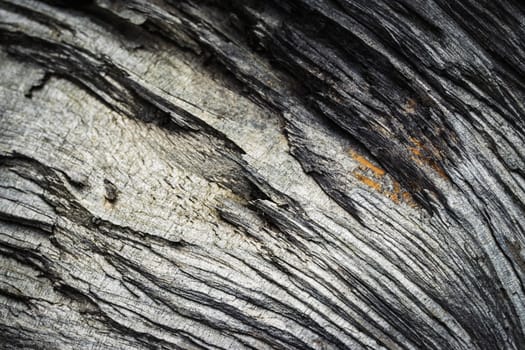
(376, 181)
(369, 182)
(418, 147)
(397, 195)
(422, 154)
(441, 172)
(364, 163)
(394, 195)
(407, 198)
(397, 187)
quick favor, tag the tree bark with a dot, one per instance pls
(303, 174)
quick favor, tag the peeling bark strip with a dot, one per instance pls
(303, 174)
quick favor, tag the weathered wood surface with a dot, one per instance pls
(303, 174)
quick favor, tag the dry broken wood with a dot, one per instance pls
(303, 174)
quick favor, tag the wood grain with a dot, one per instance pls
(304, 174)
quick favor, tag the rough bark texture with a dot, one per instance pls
(303, 174)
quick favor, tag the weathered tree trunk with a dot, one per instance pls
(303, 174)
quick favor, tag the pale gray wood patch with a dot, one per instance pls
(306, 174)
